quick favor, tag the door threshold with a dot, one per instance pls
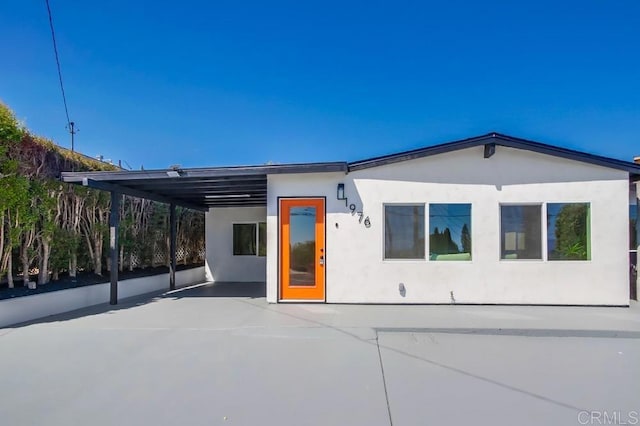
(300, 301)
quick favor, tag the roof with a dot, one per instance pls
(202, 188)
(197, 188)
(497, 139)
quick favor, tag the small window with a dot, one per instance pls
(633, 223)
(404, 232)
(568, 231)
(250, 239)
(450, 231)
(244, 239)
(521, 232)
(262, 239)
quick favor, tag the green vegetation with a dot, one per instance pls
(49, 227)
(572, 233)
(442, 243)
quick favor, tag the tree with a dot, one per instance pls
(303, 256)
(442, 243)
(58, 227)
(451, 247)
(94, 225)
(465, 239)
(571, 232)
(13, 189)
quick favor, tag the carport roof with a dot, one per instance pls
(197, 188)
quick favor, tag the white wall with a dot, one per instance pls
(27, 308)
(635, 192)
(357, 273)
(221, 264)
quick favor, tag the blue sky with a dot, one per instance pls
(221, 83)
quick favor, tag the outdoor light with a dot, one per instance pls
(341, 191)
(176, 171)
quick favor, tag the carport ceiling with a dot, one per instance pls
(197, 189)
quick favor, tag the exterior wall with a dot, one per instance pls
(636, 203)
(28, 308)
(357, 273)
(221, 264)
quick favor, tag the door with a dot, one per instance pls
(302, 250)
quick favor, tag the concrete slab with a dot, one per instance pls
(219, 354)
(448, 378)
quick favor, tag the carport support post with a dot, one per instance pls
(114, 222)
(172, 247)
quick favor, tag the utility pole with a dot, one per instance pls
(73, 131)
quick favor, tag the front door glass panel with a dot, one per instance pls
(302, 243)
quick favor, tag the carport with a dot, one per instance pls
(193, 188)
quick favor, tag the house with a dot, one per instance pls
(487, 220)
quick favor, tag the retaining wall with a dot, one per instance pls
(27, 308)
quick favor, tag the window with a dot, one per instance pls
(450, 231)
(250, 239)
(404, 232)
(568, 231)
(262, 239)
(633, 221)
(244, 239)
(521, 232)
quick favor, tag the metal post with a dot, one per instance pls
(73, 133)
(172, 247)
(114, 222)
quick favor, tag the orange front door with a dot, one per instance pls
(302, 251)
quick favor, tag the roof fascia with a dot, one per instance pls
(420, 152)
(502, 140)
(566, 153)
(241, 171)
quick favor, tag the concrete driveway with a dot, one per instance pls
(219, 354)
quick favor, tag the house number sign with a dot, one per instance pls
(352, 207)
(361, 217)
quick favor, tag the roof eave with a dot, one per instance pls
(133, 175)
(500, 140)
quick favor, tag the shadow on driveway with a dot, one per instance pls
(242, 290)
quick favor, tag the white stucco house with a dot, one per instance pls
(487, 220)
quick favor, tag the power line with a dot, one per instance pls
(55, 51)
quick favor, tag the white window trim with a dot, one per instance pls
(384, 233)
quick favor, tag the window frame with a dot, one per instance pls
(256, 238)
(384, 232)
(543, 230)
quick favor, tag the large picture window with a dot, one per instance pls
(521, 232)
(250, 239)
(404, 227)
(450, 231)
(568, 231)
